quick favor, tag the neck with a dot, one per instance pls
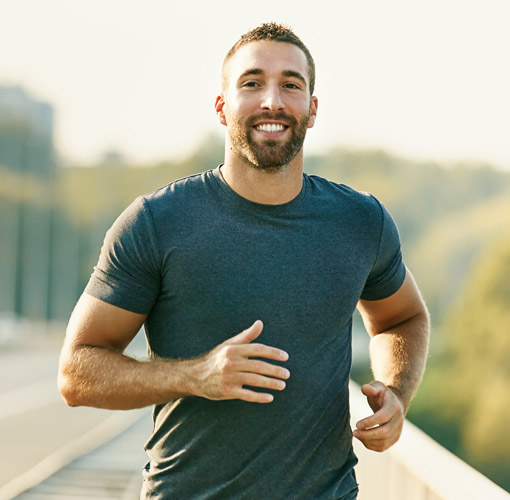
(269, 187)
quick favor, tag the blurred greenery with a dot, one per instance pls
(454, 222)
(463, 402)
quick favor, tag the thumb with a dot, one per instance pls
(370, 390)
(248, 335)
(374, 391)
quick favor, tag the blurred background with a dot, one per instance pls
(103, 101)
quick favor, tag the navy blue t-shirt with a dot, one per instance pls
(204, 263)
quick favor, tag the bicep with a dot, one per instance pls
(381, 315)
(99, 324)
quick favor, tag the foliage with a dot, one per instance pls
(467, 385)
(441, 256)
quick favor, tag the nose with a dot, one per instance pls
(272, 99)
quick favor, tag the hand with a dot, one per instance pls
(222, 373)
(382, 429)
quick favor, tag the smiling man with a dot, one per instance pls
(267, 135)
(253, 246)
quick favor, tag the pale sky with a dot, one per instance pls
(426, 80)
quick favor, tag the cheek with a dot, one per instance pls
(236, 116)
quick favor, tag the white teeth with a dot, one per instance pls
(270, 127)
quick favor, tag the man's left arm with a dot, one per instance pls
(399, 331)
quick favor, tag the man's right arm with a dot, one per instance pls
(94, 371)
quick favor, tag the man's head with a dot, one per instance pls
(270, 32)
(266, 101)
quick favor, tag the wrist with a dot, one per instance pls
(400, 396)
(192, 375)
(178, 378)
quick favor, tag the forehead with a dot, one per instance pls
(268, 56)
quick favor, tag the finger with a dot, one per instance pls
(369, 390)
(254, 380)
(373, 390)
(375, 393)
(377, 444)
(248, 335)
(388, 408)
(380, 432)
(259, 367)
(262, 368)
(380, 417)
(252, 396)
(379, 438)
(262, 351)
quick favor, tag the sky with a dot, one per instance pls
(421, 79)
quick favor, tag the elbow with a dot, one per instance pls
(68, 387)
(68, 393)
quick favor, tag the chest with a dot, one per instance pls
(292, 274)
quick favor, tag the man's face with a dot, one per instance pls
(266, 104)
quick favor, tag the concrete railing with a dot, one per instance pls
(416, 468)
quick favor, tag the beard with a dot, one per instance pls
(268, 154)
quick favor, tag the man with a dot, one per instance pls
(258, 247)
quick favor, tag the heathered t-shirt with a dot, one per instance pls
(204, 263)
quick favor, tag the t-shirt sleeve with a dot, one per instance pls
(388, 271)
(127, 274)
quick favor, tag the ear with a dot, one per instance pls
(314, 103)
(219, 107)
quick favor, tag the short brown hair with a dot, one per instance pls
(276, 33)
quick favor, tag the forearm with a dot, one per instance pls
(398, 355)
(103, 378)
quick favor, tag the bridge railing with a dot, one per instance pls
(416, 468)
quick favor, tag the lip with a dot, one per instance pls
(271, 135)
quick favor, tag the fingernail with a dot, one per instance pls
(281, 384)
(285, 373)
(284, 355)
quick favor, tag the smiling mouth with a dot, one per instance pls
(271, 127)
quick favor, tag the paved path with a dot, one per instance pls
(35, 423)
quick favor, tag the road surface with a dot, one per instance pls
(35, 423)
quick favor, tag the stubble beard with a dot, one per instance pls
(269, 154)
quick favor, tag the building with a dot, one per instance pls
(27, 168)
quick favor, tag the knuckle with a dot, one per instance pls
(376, 446)
(258, 366)
(226, 389)
(258, 348)
(227, 364)
(384, 433)
(228, 351)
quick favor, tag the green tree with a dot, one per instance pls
(480, 339)
(464, 403)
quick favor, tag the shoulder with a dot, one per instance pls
(344, 196)
(174, 199)
(183, 188)
(149, 209)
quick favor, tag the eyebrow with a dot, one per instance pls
(295, 74)
(250, 72)
(288, 73)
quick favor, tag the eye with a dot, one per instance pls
(291, 85)
(250, 84)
